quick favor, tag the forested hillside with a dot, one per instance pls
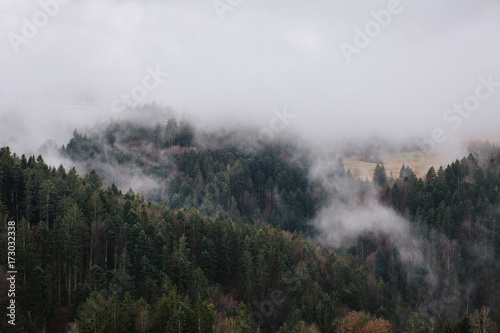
(116, 263)
(213, 173)
(456, 209)
(225, 242)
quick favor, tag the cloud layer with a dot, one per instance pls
(263, 55)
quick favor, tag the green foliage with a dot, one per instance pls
(97, 278)
(92, 317)
(380, 175)
(123, 264)
(380, 266)
(208, 174)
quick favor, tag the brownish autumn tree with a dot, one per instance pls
(362, 322)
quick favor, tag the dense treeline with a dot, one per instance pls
(455, 211)
(211, 173)
(91, 256)
(116, 263)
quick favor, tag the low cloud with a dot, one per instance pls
(237, 70)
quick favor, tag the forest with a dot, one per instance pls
(223, 242)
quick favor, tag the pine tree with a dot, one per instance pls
(204, 314)
(380, 265)
(92, 317)
(380, 175)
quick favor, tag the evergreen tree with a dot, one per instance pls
(380, 175)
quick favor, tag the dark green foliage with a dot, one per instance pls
(209, 174)
(380, 266)
(97, 278)
(406, 172)
(463, 326)
(38, 299)
(380, 175)
(122, 264)
(97, 252)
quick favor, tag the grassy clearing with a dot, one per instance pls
(418, 161)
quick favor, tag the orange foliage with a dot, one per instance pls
(362, 322)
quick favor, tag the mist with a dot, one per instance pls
(239, 64)
(280, 67)
(332, 79)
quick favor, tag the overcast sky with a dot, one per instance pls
(263, 55)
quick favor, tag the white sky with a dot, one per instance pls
(265, 54)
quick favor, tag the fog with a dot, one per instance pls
(236, 63)
(312, 72)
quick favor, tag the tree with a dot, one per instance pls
(414, 324)
(38, 297)
(463, 325)
(116, 315)
(97, 278)
(97, 225)
(431, 176)
(362, 322)
(302, 327)
(173, 314)
(71, 233)
(380, 175)
(92, 317)
(248, 271)
(143, 322)
(380, 266)
(204, 317)
(480, 320)
(198, 285)
(405, 172)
